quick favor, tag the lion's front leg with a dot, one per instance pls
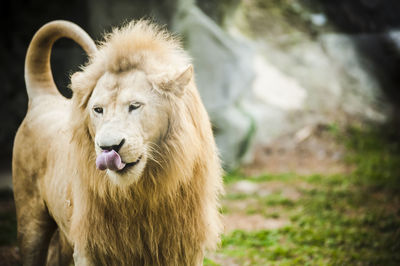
(35, 228)
(60, 251)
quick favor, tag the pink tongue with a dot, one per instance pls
(109, 160)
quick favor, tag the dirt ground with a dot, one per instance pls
(312, 149)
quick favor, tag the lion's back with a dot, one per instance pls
(43, 131)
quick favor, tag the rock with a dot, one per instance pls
(394, 38)
(275, 88)
(245, 187)
(318, 19)
(303, 134)
(224, 73)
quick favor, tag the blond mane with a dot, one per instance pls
(181, 182)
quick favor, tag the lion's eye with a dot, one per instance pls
(134, 106)
(98, 110)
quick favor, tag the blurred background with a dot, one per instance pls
(304, 100)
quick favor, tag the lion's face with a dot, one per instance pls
(130, 117)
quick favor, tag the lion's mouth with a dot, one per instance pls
(129, 165)
(112, 160)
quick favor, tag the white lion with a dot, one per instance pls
(126, 172)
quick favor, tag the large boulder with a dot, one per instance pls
(224, 74)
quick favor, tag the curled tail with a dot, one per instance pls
(38, 75)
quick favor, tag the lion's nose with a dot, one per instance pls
(115, 147)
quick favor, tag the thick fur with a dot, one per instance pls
(168, 216)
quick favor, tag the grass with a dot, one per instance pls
(343, 219)
(377, 155)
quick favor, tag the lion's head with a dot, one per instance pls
(128, 114)
(128, 95)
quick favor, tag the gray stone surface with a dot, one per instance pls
(224, 74)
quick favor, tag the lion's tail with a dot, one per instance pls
(38, 75)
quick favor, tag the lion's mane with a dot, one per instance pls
(170, 216)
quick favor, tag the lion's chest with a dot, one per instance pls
(140, 236)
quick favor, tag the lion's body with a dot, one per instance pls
(167, 216)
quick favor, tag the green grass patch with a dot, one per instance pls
(236, 176)
(277, 199)
(376, 153)
(343, 219)
(334, 224)
(208, 262)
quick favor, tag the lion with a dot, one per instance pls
(127, 171)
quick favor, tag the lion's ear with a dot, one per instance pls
(178, 84)
(184, 78)
(81, 88)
